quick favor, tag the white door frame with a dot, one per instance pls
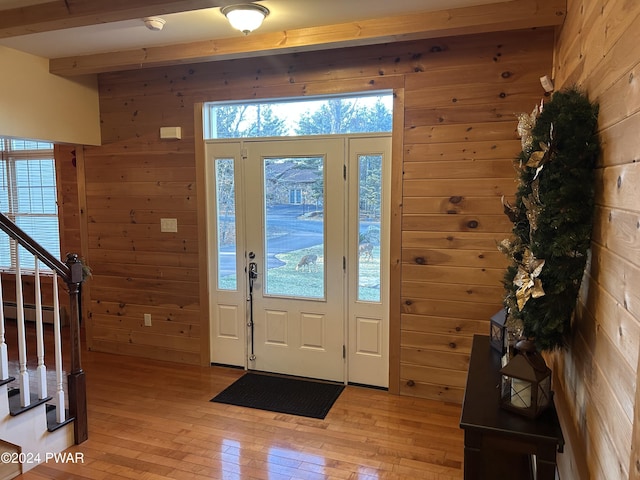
(228, 309)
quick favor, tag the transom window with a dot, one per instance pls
(369, 112)
(28, 197)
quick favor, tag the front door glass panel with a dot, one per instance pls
(294, 227)
(226, 223)
(369, 213)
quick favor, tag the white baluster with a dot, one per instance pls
(41, 370)
(23, 377)
(4, 360)
(57, 338)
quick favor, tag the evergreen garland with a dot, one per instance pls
(552, 216)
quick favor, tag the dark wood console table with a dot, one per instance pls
(498, 443)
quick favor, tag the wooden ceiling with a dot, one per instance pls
(57, 15)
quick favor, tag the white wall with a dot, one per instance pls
(37, 105)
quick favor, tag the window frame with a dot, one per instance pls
(300, 106)
(10, 156)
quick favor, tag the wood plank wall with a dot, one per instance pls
(597, 378)
(459, 150)
(461, 94)
(67, 181)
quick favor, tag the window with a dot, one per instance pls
(226, 221)
(367, 112)
(295, 196)
(369, 226)
(28, 196)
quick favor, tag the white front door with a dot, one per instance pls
(283, 211)
(294, 199)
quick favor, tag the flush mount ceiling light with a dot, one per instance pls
(246, 17)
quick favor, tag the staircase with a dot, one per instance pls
(33, 431)
(42, 409)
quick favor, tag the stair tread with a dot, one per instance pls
(14, 402)
(52, 421)
(6, 380)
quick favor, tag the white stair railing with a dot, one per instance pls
(22, 326)
(23, 375)
(41, 369)
(4, 359)
(57, 337)
(72, 273)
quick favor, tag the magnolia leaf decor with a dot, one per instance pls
(552, 216)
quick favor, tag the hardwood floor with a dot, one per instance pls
(151, 420)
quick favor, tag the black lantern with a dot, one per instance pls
(526, 382)
(498, 331)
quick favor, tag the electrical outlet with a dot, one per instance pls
(147, 319)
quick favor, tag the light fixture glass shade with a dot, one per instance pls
(245, 18)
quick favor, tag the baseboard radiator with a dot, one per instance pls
(10, 311)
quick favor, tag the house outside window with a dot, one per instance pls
(28, 197)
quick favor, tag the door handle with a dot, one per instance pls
(253, 270)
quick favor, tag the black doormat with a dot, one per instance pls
(294, 396)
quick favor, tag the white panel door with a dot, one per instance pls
(368, 266)
(226, 254)
(295, 235)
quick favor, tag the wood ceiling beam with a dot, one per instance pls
(61, 14)
(515, 14)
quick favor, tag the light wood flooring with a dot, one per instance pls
(151, 420)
